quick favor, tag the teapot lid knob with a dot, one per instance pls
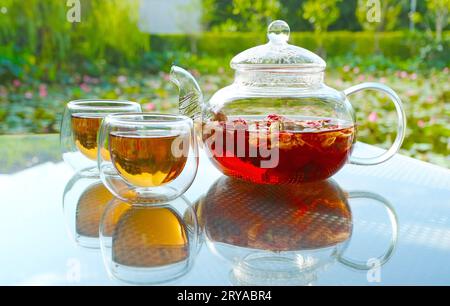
(278, 32)
(278, 52)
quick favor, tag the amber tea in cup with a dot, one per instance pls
(149, 244)
(153, 157)
(79, 130)
(146, 159)
(85, 129)
(150, 238)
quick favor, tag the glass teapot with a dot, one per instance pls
(278, 122)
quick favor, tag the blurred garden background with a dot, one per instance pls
(54, 51)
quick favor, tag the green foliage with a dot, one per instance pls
(438, 13)
(379, 15)
(218, 15)
(38, 43)
(392, 45)
(20, 152)
(109, 31)
(213, 50)
(321, 14)
(37, 33)
(244, 15)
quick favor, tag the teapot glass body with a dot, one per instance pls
(278, 122)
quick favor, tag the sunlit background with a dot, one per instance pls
(54, 51)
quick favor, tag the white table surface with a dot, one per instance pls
(36, 249)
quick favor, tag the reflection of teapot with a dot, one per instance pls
(278, 122)
(280, 234)
(149, 243)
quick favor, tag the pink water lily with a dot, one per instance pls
(195, 73)
(121, 79)
(29, 95)
(43, 91)
(209, 86)
(149, 106)
(373, 117)
(166, 77)
(410, 92)
(86, 79)
(421, 123)
(84, 87)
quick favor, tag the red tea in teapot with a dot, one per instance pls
(277, 150)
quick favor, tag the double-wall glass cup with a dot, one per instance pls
(79, 130)
(149, 244)
(150, 158)
(84, 201)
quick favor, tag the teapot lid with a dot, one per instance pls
(278, 53)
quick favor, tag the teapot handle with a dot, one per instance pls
(401, 123)
(382, 259)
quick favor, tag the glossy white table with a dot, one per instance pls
(37, 250)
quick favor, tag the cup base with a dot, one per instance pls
(137, 195)
(148, 196)
(149, 276)
(87, 242)
(264, 269)
(91, 172)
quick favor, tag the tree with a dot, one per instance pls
(321, 14)
(412, 14)
(377, 15)
(218, 15)
(241, 15)
(438, 12)
(39, 32)
(347, 19)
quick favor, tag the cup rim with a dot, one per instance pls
(101, 104)
(147, 118)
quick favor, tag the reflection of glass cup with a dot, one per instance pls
(84, 201)
(152, 158)
(149, 244)
(79, 129)
(281, 234)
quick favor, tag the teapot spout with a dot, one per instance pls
(190, 95)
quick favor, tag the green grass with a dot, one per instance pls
(18, 152)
